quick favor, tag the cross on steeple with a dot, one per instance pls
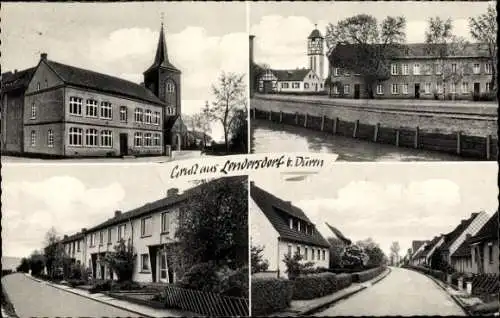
(162, 17)
(315, 25)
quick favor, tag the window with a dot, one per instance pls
(394, 88)
(146, 226)
(428, 69)
(289, 250)
(487, 68)
(453, 87)
(465, 87)
(476, 68)
(38, 86)
(75, 136)
(92, 239)
(394, 69)
(170, 87)
(123, 113)
(490, 253)
(298, 250)
(405, 69)
(106, 110)
(33, 138)
(427, 88)
(91, 137)
(346, 88)
(101, 237)
(165, 222)
(324, 254)
(335, 89)
(488, 87)
(148, 116)
(78, 246)
(290, 223)
(109, 236)
(305, 253)
(416, 69)
(156, 140)
(138, 114)
(91, 108)
(454, 68)
(33, 110)
(306, 85)
(295, 85)
(75, 105)
(439, 88)
(145, 262)
(171, 111)
(156, 118)
(121, 231)
(380, 89)
(138, 139)
(335, 71)
(106, 138)
(284, 85)
(405, 88)
(147, 140)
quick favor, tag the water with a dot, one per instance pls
(274, 137)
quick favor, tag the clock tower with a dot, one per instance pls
(164, 80)
(315, 52)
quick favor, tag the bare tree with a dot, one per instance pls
(229, 98)
(395, 252)
(484, 29)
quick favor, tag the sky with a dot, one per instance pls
(120, 39)
(391, 202)
(71, 197)
(281, 28)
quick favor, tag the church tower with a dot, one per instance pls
(315, 52)
(164, 80)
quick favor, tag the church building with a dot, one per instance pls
(54, 109)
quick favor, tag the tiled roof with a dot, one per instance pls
(463, 250)
(431, 245)
(488, 231)
(453, 235)
(296, 75)
(415, 245)
(102, 82)
(315, 34)
(278, 212)
(21, 79)
(73, 237)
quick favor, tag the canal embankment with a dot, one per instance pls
(467, 129)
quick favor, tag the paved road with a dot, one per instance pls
(403, 293)
(34, 299)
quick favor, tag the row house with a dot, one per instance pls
(55, 109)
(290, 81)
(423, 256)
(281, 229)
(416, 72)
(149, 229)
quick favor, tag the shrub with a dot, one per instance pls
(314, 286)
(487, 96)
(343, 281)
(101, 286)
(258, 264)
(367, 275)
(126, 285)
(122, 261)
(201, 276)
(270, 295)
(24, 266)
(233, 282)
(294, 266)
(75, 282)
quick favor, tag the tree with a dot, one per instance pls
(24, 266)
(372, 249)
(441, 43)
(54, 253)
(122, 260)
(363, 46)
(239, 131)
(336, 251)
(395, 252)
(484, 29)
(257, 262)
(229, 98)
(294, 265)
(37, 263)
(213, 224)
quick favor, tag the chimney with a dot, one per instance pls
(43, 56)
(65, 236)
(84, 229)
(118, 213)
(172, 192)
(251, 48)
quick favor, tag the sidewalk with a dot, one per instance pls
(308, 307)
(142, 311)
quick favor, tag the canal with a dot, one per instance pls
(268, 136)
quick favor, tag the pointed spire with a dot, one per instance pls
(161, 57)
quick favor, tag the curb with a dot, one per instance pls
(97, 300)
(309, 312)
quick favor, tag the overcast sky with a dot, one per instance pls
(120, 39)
(282, 28)
(71, 197)
(391, 202)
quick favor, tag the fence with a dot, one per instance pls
(457, 143)
(205, 303)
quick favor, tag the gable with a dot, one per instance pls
(43, 76)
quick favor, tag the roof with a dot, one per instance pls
(315, 34)
(12, 81)
(161, 57)
(296, 75)
(415, 245)
(488, 231)
(102, 82)
(73, 237)
(413, 50)
(278, 212)
(453, 235)
(463, 250)
(339, 234)
(431, 245)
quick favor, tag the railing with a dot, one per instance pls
(205, 303)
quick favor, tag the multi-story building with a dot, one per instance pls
(281, 229)
(61, 110)
(415, 72)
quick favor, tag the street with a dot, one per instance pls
(403, 292)
(36, 299)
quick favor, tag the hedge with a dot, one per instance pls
(270, 295)
(367, 275)
(319, 285)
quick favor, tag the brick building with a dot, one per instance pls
(417, 73)
(61, 110)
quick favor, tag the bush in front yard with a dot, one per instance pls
(126, 285)
(75, 282)
(314, 286)
(101, 286)
(201, 276)
(368, 274)
(343, 281)
(270, 295)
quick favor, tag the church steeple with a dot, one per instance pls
(161, 57)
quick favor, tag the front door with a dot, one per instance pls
(417, 90)
(163, 267)
(268, 87)
(356, 91)
(123, 144)
(476, 88)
